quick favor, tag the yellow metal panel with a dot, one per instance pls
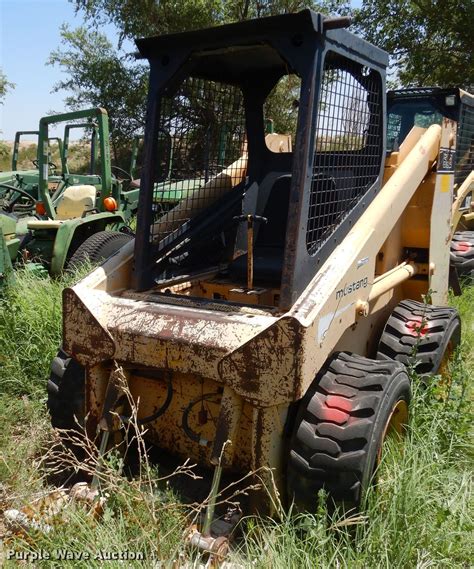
(167, 432)
(445, 183)
(441, 215)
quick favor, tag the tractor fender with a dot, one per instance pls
(129, 201)
(6, 267)
(69, 233)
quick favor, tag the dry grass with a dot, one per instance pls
(78, 156)
(421, 515)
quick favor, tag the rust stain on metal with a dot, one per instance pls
(264, 369)
(83, 335)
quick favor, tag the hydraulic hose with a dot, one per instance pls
(186, 428)
(159, 412)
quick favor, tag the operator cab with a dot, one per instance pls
(257, 215)
(425, 106)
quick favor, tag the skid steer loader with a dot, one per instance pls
(266, 321)
(430, 105)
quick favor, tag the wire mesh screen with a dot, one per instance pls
(202, 148)
(348, 145)
(464, 144)
(394, 125)
(403, 116)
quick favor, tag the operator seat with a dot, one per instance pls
(74, 202)
(269, 246)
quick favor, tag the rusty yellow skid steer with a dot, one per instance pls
(266, 322)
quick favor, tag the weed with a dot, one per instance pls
(30, 331)
(420, 515)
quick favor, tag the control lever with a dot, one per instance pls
(250, 219)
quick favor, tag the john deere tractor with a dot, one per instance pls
(64, 220)
(265, 323)
(27, 179)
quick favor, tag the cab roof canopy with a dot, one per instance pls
(233, 53)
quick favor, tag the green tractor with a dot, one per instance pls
(135, 157)
(58, 177)
(27, 179)
(169, 191)
(73, 217)
(16, 150)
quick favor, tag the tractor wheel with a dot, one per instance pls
(421, 335)
(340, 426)
(97, 248)
(462, 254)
(66, 397)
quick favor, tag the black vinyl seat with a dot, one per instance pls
(269, 245)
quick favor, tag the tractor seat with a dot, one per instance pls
(267, 265)
(74, 202)
(269, 245)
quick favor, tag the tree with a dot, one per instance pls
(5, 86)
(168, 16)
(98, 75)
(429, 41)
(132, 18)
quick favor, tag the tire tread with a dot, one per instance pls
(333, 452)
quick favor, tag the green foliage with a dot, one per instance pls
(138, 19)
(430, 41)
(5, 86)
(30, 332)
(24, 427)
(100, 76)
(419, 516)
(5, 156)
(282, 105)
(78, 156)
(26, 154)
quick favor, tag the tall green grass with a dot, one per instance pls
(420, 516)
(30, 332)
(30, 329)
(422, 511)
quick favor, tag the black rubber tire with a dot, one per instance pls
(66, 393)
(339, 429)
(462, 255)
(97, 248)
(425, 351)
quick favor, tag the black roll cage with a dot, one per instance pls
(254, 55)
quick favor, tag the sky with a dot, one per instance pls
(29, 32)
